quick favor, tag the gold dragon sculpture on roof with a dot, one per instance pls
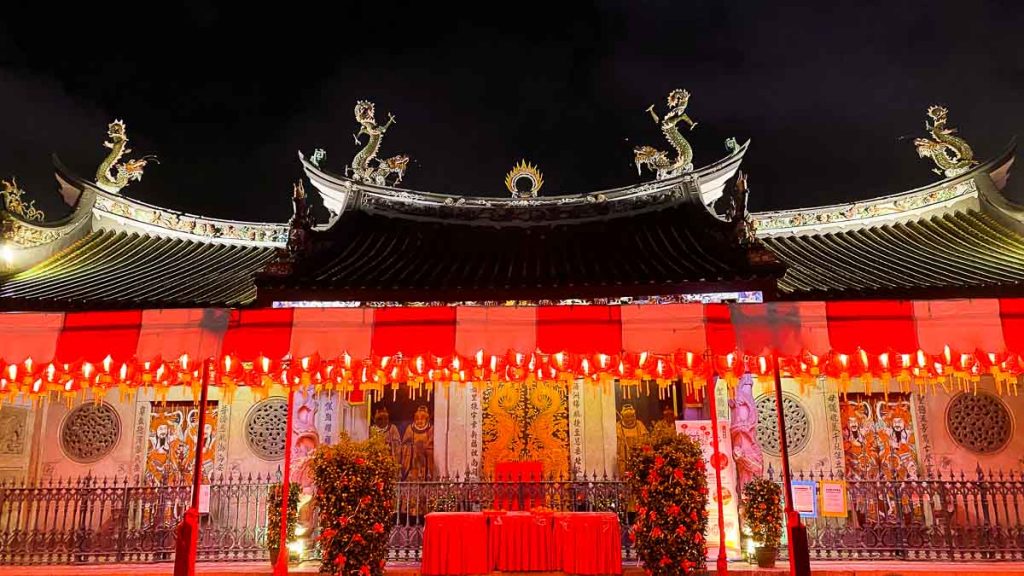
(366, 167)
(658, 160)
(112, 174)
(951, 154)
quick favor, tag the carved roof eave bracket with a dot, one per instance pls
(961, 192)
(344, 193)
(26, 235)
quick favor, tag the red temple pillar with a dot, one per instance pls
(799, 554)
(281, 565)
(187, 536)
(722, 564)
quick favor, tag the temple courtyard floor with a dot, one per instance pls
(852, 568)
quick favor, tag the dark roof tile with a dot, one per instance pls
(108, 269)
(369, 256)
(965, 252)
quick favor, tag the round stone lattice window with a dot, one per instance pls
(798, 424)
(265, 428)
(90, 432)
(979, 422)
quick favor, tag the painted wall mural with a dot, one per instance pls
(636, 415)
(171, 442)
(523, 423)
(879, 441)
(407, 426)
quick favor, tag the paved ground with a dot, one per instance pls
(735, 569)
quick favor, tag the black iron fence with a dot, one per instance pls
(96, 520)
(950, 516)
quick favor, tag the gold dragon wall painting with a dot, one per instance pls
(523, 423)
(171, 443)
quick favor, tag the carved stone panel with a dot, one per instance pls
(798, 424)
(13, 430)
(265, 428)
(979, 422)
(90, 432)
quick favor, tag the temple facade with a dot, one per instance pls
(473, 331)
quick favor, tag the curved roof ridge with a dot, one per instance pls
(119, 212)
(341, 193)
(942, 196)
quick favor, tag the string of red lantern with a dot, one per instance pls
(949, 370)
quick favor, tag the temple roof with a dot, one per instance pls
(679, 247)
(115, 252)
(957, 237)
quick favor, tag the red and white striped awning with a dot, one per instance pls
(358, 348)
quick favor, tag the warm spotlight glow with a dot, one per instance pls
(7, 254)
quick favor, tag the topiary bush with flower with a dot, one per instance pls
(762, 506)
(274, 516)
(666, 475)
(355, 488)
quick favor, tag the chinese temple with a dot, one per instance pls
(477, 331)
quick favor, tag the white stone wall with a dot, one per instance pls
(822, 451)
(18, 420)
(948, 455)
(53, 464)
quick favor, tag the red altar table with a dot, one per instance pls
(588, 543)
(521, 542)
(455, 543)
(585, 543)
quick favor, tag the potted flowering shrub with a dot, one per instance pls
(667, 477)
(762, 500)
(355, 494)
(274, 517)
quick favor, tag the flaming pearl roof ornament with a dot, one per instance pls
(528, 171)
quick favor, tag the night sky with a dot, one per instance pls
(225, 97)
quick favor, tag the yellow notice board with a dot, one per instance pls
(833, 499)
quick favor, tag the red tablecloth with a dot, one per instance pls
(455, 543)
(586, 543)
(521, 542)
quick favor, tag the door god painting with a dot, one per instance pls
(171, 445)
(878, 438)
